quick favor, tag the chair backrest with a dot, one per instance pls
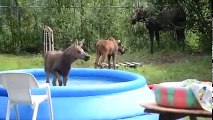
(18, 86)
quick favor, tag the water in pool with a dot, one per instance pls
(73, 81)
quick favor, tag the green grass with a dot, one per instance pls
(198, 118)
(199, 68)
(156, 68)
(8, 61)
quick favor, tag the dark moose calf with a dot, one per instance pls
(59, 62)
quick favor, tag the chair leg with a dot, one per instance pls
(50, 109)
(8, 110)
(35, 111)
(16, 109)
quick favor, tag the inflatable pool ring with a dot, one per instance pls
(88, 100)
(153, 86)
(171, 94)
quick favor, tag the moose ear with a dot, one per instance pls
(76, 42)
(81, 43)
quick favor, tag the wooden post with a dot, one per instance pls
(48, 41)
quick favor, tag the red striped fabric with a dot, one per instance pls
(180, 98)
(164, 99)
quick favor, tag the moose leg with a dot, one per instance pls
(65, 78)
(47, 77)
(109, 63)
(97, 60)
(103, 59)
(157, 36)
(151, 33)
(56, 78)
(114, 60)
(59, 81)
(181, 38)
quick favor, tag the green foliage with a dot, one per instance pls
(21, 25)
(192, 41)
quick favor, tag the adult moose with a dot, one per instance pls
(108, 48)
(172, 19)
(59, 62)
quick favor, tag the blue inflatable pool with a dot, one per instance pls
(117, 100)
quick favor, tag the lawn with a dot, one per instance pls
(155, 68)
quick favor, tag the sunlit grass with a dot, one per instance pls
(8, 62)
(199, 68)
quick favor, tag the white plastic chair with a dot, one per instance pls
(18, 86)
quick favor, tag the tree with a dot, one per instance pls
(21, 22)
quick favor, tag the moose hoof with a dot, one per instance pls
(54, 83)
(60, 83)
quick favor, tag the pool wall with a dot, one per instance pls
(107, 102)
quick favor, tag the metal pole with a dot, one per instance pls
(48, 39)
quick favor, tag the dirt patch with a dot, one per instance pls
(159, 58)
(169, 59)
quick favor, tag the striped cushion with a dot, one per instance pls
(175, 97)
